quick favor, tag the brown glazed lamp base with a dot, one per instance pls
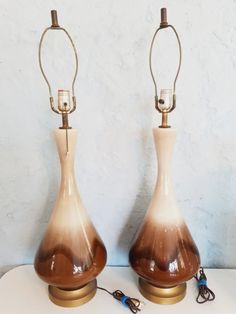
(162, 295)
(71, 298)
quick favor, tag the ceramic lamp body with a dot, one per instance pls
(163, 253)
(71, 253)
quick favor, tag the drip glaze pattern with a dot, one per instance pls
(163, 252)
(71, 253)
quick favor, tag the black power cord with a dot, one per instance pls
(132, 303)
(204, 293)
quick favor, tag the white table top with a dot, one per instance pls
(22, 292)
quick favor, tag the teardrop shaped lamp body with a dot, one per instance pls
(163, 253)
(71, 253)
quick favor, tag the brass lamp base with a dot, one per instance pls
(71, 298)
(162, 295)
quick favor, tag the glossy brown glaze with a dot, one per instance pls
(163, 252)
(71, 253)
(70, 261)
(164, 255)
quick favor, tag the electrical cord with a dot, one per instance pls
(132, 303)
(204, 293)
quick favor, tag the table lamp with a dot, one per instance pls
(163, 253)
(71, 253)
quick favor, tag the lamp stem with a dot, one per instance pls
(65, 122)
(164, 120)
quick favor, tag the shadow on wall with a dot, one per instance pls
(219, 223)
(210, 216)
(143, 197)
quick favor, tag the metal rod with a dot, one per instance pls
(163, 17)
(164, 122)
(54, 18)
(65, 123)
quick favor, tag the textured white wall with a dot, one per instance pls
(116, 166)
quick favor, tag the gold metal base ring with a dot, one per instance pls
(71, 298)
(162, 295)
